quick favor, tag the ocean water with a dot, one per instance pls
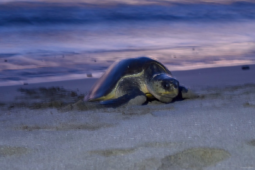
(42, 41)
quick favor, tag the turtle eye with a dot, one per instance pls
(176, 84)
(165, 85)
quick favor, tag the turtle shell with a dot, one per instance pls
(116, 71)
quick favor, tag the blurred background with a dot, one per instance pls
(53, 40)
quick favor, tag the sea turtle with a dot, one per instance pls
(133, 80)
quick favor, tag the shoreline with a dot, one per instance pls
(180, 73)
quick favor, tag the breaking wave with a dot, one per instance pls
(47, 14)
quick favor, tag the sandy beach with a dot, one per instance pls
(53, 51)
(214, 131)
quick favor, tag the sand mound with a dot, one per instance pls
(193, 159)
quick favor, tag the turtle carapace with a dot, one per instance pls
(132, 81)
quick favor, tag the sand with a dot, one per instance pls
(214, 131)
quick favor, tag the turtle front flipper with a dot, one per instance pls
(187, 93)
(134, 97)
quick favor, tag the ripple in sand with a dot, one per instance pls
(160, 144)
(252, 142)
(123, 151)
(112, 152)
(193, 159)
(90, 127)
(6, 150)
(248, 104)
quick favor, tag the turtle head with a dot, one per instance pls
(163, 87)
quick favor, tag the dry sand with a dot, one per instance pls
(214, 131)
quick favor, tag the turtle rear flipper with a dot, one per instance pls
(134, 97)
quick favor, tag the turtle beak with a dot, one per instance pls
(165, 87)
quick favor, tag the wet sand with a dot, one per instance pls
(213, 131)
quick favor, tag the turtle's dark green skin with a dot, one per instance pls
(132, 81)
